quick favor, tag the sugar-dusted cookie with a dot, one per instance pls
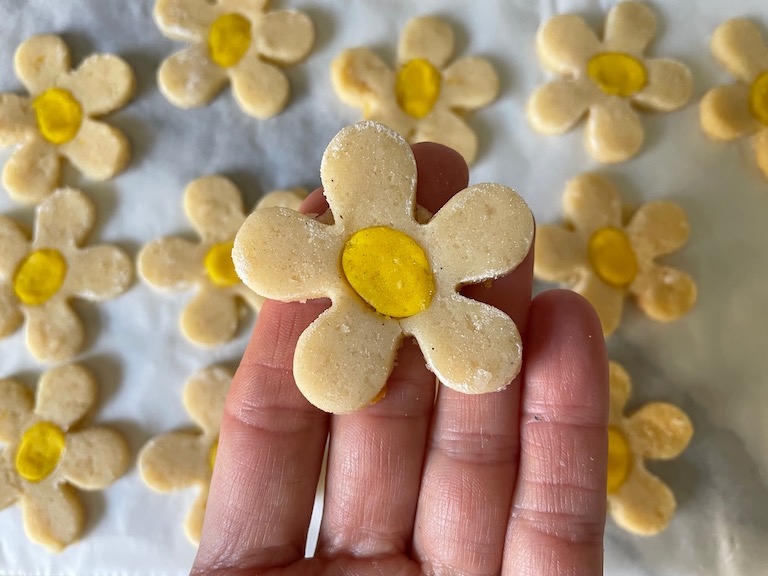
(424, 98)
(387, 275)
(606, 80)
(236, 41)
(736, 110)
(599, 256)
(38, 277)
(214, 205)
(637, 500)
(181, 459)
(57, 120)
(45, 455)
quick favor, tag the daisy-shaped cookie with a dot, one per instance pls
(637, 500)
(235, 41)
(605, 80)
(180, 459)
(389, 276)
(425, 97)
(599, 256)
(736, 110)
(45, 455)
(214, 206)
(57, 119)
(38, 277)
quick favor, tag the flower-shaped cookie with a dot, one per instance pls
(425, 98)
(637, 500)
(215, 207)
(57, 119)
(231, 40)
(389, 276)
(180, 459)
(736, 110)
(605, 80)
(38, 277)
(601, 258)
(45, 455)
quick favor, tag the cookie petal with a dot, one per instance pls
(184, 20)
(761, 150)
(193, 525)
(98, 273)
(428, 38)
(32, 172)
(591, 202)
(658, 228)
(629, 27)
(607, 301)
(614, 132)
(361, 79)
(620, 389)
(342, 361)
(449, 129)
(644, 505)
(556, 107)
(102, 84)
(64, 219)
(482, 233)
(392, 117)
(252, 300)
(739, 46)
(98, 151)
(17, 120)
(214, 206)
(189, 78)
(94, 458)
(669, 86)
(251, 9)
(65, 394)
(560, 255)
(54, 332)
(565, 43)
(174, 460)
(725, 113)
(53, 515)
(15, 246)
(288, 198)
(659, 431)
(471, 347)
(10, 313)
(204, 397)
(665, 294)
(171, 263)
(211, 317)
(261, 89)
(284, 36)
(10, 486)
(40, 61)
(16, 405)
(469, 84)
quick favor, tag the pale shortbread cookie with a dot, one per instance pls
(606, 80)
(181, 459)
(38, 277)
(389, 276)
(45, 455)
(599, 256)
(637, 500)
(425, 97)
(57, 119)
(236, 41)
(737, 110)
(214, 206)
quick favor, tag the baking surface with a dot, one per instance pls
(712, 363)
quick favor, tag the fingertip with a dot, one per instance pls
(315, 203)
(442, 172)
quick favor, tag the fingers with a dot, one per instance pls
(558, 513)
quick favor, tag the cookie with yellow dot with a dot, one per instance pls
(638, 501)
(606, 80)
(598, 255)
(45, 455)
(388, 275)
(426, 96)
(181, 459)
(214, 206)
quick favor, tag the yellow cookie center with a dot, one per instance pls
(616, 73)
(612, 257)
(417, 87)
(619, 459)
(39, 276)
(39, 451)
(58, 114)
(219, 265)
(229, 39)
(389, 270)
(758, 98)
(212, 453)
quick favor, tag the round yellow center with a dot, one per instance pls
(39, 451)
(616, 73)
(229, 39)
(389, 271)
(39, 276)
(758, 98)
(212, 454)
(58, 114)
(219, 265)
(612, 257)
(417, 87)
(619, 459)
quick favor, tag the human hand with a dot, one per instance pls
(511, 482)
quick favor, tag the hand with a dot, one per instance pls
(511, 482)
